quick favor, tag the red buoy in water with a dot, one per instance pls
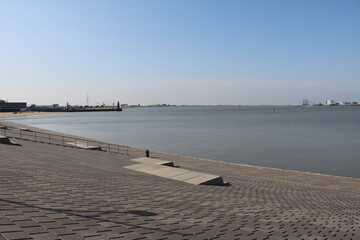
(273, 110)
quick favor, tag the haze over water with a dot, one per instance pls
(314, 139)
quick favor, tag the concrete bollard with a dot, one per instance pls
(147, 153)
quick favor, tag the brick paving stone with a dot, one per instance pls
(61, 231)
(45, 236)
(75, 227)
(18, 217)
(86, 233)
(5, 221)
(9, 228)
(95, 238)
(70, 237)
(16, 235)
(99, 228)
(157, 235)
(35, 230)
(51, 225)
(66, 221)
(109, 234)
(133, 235)
(120, 229)
(109, 224)
(26, 223)
(42, 219)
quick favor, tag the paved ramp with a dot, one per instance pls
(154, 167)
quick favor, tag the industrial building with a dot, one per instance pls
(330, 102)
(11, 106)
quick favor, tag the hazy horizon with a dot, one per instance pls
(179, 52)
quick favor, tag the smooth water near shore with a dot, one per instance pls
(315, 139)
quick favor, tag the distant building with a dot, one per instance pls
(344, 103)
(11, 106)
(330, 102)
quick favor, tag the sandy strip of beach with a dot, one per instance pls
(21, 114)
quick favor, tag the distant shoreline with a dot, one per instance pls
(33, 113)
(346, 105)
(21, 114)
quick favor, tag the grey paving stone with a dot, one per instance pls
(70, 237)
(5, 221)
(9, 228)
(45, 236)
(35, 230)
(16, 235)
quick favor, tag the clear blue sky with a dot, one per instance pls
(180, 52)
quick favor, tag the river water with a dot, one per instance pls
(313, 139)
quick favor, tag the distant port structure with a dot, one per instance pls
(307, 103)
(19, 107)
(76, 108)
(6, 106)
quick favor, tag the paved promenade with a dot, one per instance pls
(49, 191)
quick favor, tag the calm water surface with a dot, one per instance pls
(315, 139)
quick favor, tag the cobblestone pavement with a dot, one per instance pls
(49, 191)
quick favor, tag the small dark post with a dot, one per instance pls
(147, 153)
(118, 108)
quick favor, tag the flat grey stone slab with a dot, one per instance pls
(145, 167)
(83, 145)
(153, 161)
(188, 176)
(166, 172)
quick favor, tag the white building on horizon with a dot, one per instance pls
(344, 103)
(330, 102)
